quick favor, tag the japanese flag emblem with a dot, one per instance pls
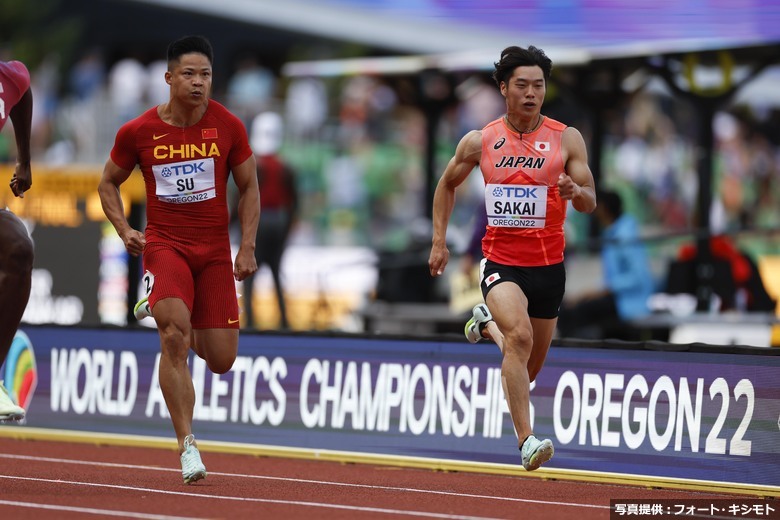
(491, 279)
(542, 146)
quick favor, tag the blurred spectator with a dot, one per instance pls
(749, 291)
(382, 102)
(346, 198)
(250, 89)
(365, 111)
(480, 103)
(628, 279)
(88, 75)
(157, 89)
(655, 162)
(127, 82)
(278, 208)
(306, 106)
(45, 89)
(737, 283)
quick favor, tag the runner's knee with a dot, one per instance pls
(518, 341)
(220, 364)
(175, 340)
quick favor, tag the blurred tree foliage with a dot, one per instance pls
(31, 31)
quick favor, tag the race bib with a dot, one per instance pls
(148, 283)
(2, 106)
(185, 182)
(516, 205)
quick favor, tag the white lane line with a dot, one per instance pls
(308, 481)
(92, 511)
(260, 500)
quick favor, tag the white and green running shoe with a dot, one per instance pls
(192, 468)
(480, 315)
(9, 411)
(535, 452)
(142, 309)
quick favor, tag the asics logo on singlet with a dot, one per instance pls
(499, 143)
(182, 169)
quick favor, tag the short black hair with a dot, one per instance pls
(514, 56)
(190, 44)
(610, 202)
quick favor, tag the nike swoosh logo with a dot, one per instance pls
(156, 137)
(231, 322)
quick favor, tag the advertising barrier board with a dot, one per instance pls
(696, 415)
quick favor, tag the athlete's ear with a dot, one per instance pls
(502, 88)
(168, 77)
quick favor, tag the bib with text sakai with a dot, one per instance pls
(516, 205)
(185, 182)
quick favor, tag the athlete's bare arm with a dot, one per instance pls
(577, 183)
(467, 156)
(21, 117)
(245, 177)
(108, 189)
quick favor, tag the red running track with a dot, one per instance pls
(64, 480)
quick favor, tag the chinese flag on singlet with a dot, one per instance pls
(209, 133)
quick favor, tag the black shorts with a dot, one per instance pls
(543, 286)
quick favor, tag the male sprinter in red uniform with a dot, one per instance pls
(532, 165)
(16, 247)
(186, 149)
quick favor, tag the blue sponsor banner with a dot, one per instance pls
(709, 416)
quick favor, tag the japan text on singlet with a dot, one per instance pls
(185, 169)
(14, 82)
(525, 211)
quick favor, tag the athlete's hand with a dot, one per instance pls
(567, 188)
(21, 180)
(437, 262)
(245, 264)
(135, 241)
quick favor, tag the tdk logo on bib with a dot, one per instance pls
(182, 169)
(516, 192)
(185, 182)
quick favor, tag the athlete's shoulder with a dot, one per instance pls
(219, 116)
(554, 124)
(17, 72)
(220, 111)
(493, 130)
(130, 133)
(216, 106)
(471, 143)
